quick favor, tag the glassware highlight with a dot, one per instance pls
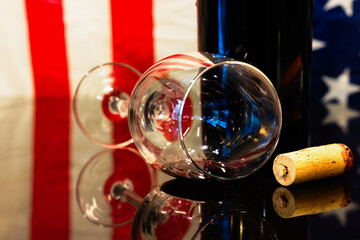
(101, 103)
(111, 186)
(203, 116)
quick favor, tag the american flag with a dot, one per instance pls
(335, 102)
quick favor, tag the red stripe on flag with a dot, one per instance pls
(133, 44)
(132, 33)
(50, 200)
(196, 60)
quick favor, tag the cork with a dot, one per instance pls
(312, 163)
(310, 200)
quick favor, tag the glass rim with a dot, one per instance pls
(182, 105)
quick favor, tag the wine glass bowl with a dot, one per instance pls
(202, 116)
(101, 103)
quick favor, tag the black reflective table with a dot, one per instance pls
(44, 156)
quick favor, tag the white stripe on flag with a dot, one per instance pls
(175, 27)
(16, 119)
(87, 33)
(88, 36)
(15, 71)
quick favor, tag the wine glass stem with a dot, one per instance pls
(121, 191)
(132, 198)
(122, 106)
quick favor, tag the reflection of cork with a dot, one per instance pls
(311, 199)
(312, 163)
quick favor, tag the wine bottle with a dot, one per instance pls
(274, 36)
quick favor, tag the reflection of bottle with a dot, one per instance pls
(188, 209)
(244, 216)
(237, 224)
(274, 36)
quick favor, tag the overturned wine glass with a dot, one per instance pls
(101, 103)
(203, 115)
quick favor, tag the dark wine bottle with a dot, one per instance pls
(274, 36)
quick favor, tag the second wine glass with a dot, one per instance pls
(101, 103)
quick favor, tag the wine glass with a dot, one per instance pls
(203, 115)
(111, 186)
(101, 103)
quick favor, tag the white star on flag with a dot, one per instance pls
(347, 6)
(340, 88)
(340, 115)
(317, 44)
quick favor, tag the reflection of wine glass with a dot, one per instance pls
(111, 185)
(101, 103)
(182, 209)
(201, 115)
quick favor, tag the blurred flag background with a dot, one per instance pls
(47, 46)
(335, 97)
(335, 84)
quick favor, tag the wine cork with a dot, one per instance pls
(312, 163)
(309, 200)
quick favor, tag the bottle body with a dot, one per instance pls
(274, 36)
